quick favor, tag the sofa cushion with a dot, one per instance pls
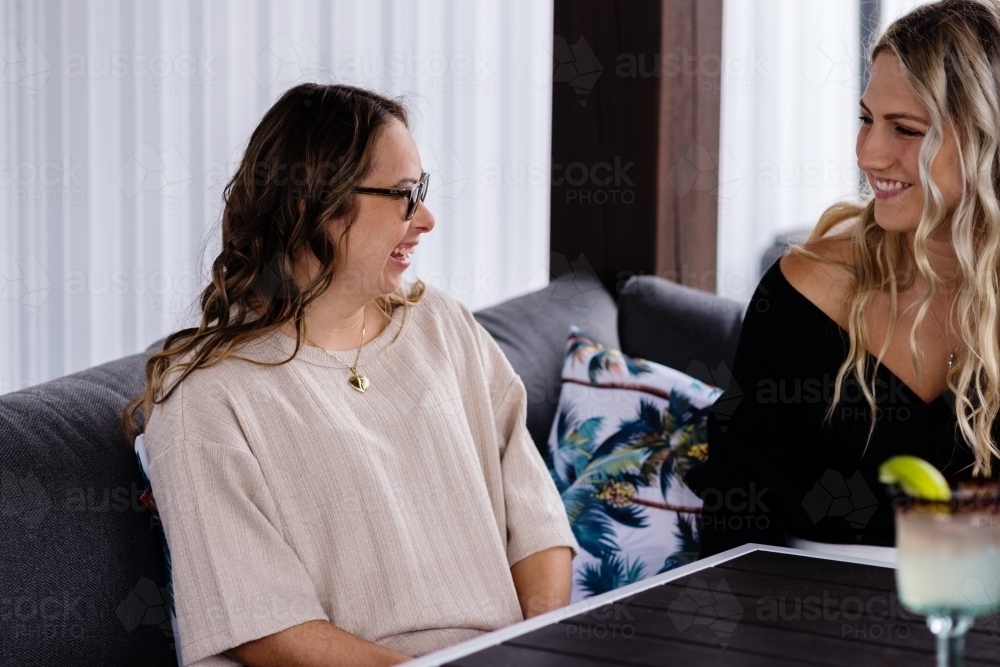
(680, 327)
(780, 247)
(149, 501)
(81, 566)
(626, 432)
(531, 331)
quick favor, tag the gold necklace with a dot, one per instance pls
(357, 380)
(951, 353)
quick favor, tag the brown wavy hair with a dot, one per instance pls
(314, 145)
(949, 54)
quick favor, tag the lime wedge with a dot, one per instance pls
(916, 477)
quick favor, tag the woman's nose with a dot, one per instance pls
(423, 219)
(873, 153)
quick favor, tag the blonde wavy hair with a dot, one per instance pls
(949, 53)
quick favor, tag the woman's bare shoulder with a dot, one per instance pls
(825, 283)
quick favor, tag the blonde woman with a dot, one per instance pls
(341, 462)
(879, 335)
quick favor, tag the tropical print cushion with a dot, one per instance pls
(150, 502)
(625, 433)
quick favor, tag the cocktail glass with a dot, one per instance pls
(949, 563)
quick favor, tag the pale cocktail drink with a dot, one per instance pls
(949, 563)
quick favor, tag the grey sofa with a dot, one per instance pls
(81, 567)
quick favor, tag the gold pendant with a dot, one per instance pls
(359, 382)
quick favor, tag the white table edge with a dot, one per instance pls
(501, 635)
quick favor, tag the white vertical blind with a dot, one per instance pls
(890, 10)
(791, 85)
(123, 120)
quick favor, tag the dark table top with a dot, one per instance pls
(754, 605)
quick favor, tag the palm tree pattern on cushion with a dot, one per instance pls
(625, 433)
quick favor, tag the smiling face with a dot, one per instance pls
(376, 250)
(894, 123)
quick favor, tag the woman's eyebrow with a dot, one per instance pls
(404, 181)
(894, 116)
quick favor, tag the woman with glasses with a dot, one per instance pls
(878, 336)
(340, 461)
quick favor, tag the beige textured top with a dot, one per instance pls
(287, 496)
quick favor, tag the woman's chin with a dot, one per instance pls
(392, 280)
(896, 223)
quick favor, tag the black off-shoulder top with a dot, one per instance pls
(775, 468)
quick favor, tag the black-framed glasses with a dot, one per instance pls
(413, 196)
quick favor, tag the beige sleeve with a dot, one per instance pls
(536, 516)
(235, 577)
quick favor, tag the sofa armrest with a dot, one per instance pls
(532, 331)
